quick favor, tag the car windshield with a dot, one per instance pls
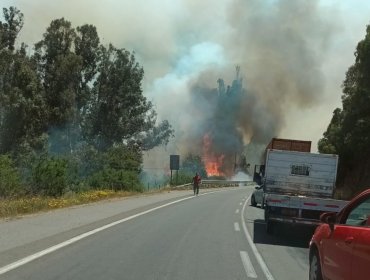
(360, 214)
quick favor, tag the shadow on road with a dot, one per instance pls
(284, 235)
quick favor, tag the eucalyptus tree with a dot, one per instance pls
(119, 112)
(348, 133)
(23, 115)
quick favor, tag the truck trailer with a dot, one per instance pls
(299, 187)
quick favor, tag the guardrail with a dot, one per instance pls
(226, 183)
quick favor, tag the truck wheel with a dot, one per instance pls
(253, 201)
(315, 267)
(270, 227)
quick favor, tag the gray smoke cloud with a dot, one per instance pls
(280, 46)
(283, 49)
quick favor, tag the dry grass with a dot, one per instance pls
(28, 205)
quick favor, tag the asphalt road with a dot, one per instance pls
(185, 237)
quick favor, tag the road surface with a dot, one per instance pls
(216, 235)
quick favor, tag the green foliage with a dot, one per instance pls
(77, 102)
(120, 171)
(348, 133)
(10, 28)
(119, 111)
(116, 180)
(50, 176)
(182, 178)
(23, 107)
(10, 182)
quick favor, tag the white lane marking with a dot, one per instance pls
(258, 256)
(240, 203)
(236, 227)
(249, 269)
(54, 248)
(237, 211)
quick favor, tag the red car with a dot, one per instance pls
(340, 246)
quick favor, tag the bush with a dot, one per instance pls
(116, 180)
(182, 178)
(50, 176)
(10, 181)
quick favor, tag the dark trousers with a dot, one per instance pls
(196, 189)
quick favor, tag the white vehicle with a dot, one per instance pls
(258, 197)
(299, 187)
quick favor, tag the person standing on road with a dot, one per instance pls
(197, 180)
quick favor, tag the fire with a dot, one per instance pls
(212, 162)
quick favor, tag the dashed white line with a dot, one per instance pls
(240, 203)
(258, 256)
(236, 227)
(249, 269)
(237, 211)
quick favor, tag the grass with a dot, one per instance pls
(29, 205)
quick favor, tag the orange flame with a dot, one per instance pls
(212, 162)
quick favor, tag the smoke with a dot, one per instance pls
(280, 46)
(188, 47)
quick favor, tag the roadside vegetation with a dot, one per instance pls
(28, 205)
(348, 133)
(73, 118)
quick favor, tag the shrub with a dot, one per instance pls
(10, 181)
(116, 180)
(183, 177)
(49, 176)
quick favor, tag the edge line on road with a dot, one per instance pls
(56, 247)
(256, 253)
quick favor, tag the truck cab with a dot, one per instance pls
(258, 196)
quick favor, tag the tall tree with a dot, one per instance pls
(24, 112)
(10, 28)
(60, 72)
(87, 47)
(120, 113)
(348, 133)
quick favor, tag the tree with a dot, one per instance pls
(87, 47)
(24, 114)
(10, 28)
(60, 72)
(332, 140)
(119, 111)
(348, 133)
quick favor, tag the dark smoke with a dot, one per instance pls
(280, 46)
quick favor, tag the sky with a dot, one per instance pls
(293, 55)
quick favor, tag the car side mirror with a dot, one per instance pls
(329, 218)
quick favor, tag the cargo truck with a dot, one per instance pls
(280, 144)
(259, 170)
(298, 187)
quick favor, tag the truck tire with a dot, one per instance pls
(253, 201)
